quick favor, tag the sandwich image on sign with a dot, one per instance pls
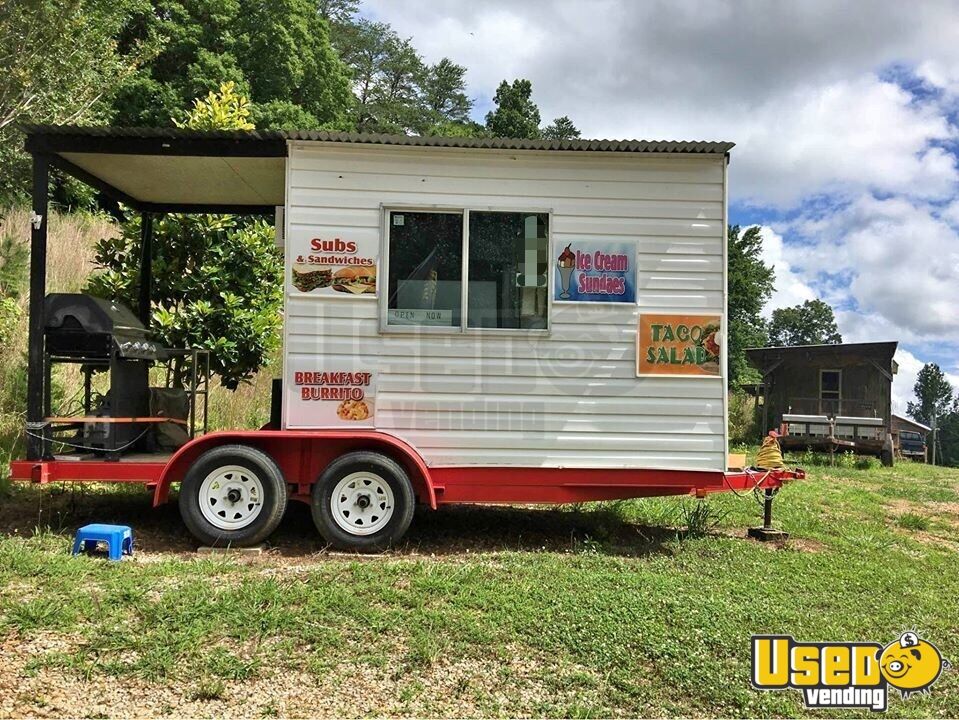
(309, 277)
(358, 280)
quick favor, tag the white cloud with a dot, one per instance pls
(895, 258)
(950, 213)
(791, 289)
(850, 135)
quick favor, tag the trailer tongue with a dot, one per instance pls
(466, 321)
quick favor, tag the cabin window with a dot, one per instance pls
(830, 383)
(425, 268)
(507, 270)
(503, 255)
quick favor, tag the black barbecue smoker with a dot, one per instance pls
(103, 336)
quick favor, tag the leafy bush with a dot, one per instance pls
(743, 420)
(9, 318)
(846, 460)
(217, 284)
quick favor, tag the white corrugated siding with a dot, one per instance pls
(567, 399)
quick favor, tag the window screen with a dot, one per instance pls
(507, 270)
(425, 268)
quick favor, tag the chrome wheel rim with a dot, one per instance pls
(231, 497)
(362, 503)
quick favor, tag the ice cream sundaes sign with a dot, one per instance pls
(596, 272)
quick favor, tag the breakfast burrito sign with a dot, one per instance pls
(333, 266)
(679, 345)
(588, 271)
(340, 396)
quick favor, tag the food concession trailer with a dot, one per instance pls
(466, 321)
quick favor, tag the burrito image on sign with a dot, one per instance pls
(309, 277)
(358, 280)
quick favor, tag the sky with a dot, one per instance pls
(845, 116)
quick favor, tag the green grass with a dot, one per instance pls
(631, 608)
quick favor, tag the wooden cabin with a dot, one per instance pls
(828, 397)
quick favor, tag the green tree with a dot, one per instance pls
(386, 70)
(934, 395)
(516, 115)
(750, 285)
(562, 128)
(812, 323)
(217, 279)
(443, 93)
(465, 129)
(948, 434)
(278, 53)
(337, 12)
(60, 60)
(395, 91)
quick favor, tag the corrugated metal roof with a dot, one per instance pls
(634, 146)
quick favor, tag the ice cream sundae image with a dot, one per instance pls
(566, 263)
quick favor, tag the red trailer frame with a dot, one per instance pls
(302, 455)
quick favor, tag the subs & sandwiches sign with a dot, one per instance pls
(335, 267)
(679, 345)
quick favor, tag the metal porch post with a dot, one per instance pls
(36, 444)
(146, 268)
(765, 428)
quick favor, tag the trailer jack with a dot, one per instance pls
(767, 533)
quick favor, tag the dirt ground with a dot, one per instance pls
(449, 530)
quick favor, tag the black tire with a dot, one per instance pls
(375, 466)
(272, 503)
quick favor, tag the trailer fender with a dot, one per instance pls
(302, 456)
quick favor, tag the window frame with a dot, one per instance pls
(838, 390)
(463, 328)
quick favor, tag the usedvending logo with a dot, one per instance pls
(846, 674)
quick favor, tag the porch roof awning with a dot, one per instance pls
(168, 169)
(181, 170)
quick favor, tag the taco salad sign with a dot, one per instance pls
(594, 271)
(679, 345)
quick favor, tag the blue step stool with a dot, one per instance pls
(119, 539)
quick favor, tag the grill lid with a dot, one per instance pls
(84, 326)
(78, 312)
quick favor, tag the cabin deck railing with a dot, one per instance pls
(832, 407)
